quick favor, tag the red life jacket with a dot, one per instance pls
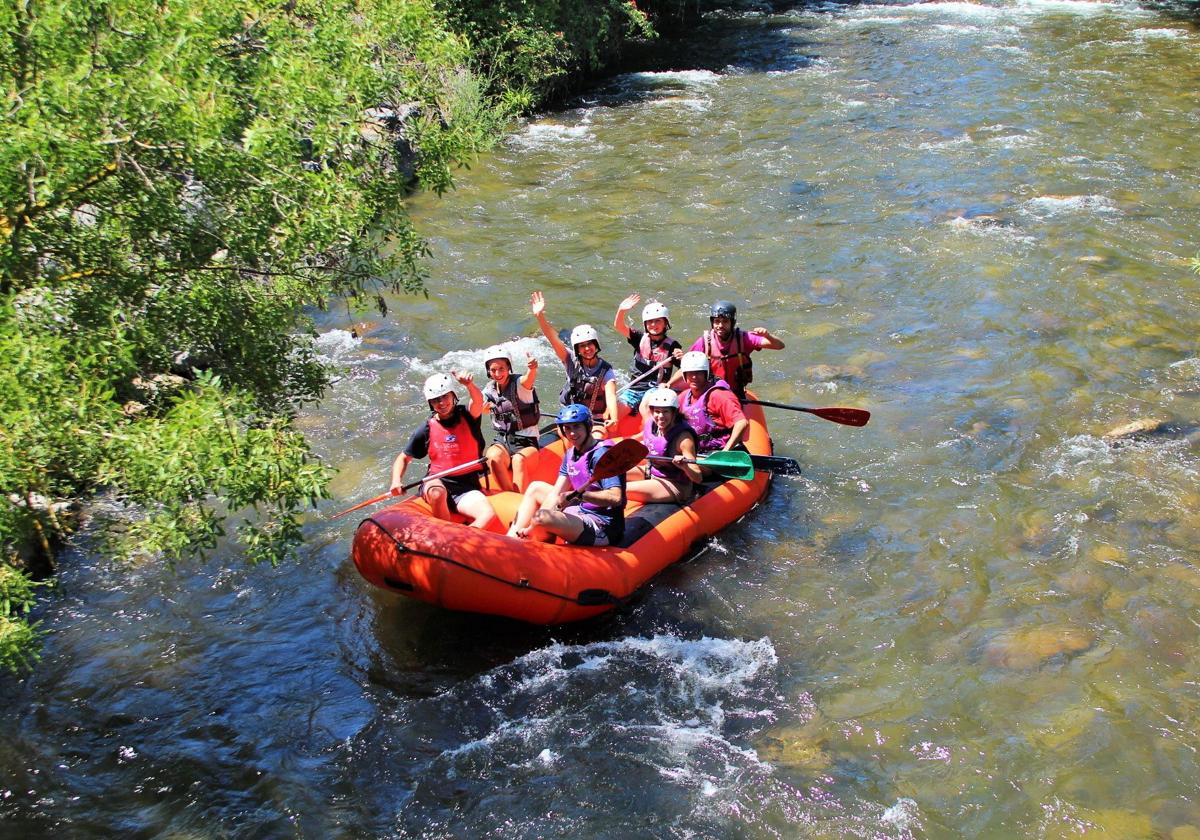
(454, 443)
(734, 367)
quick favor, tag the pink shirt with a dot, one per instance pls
(751, 341)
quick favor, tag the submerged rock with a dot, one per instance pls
(1030, 647)
(825, 373)
(795, 746)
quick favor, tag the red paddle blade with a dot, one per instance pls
(845, 416)
(619, 459)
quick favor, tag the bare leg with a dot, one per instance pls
(477, 506)
(499, 465)
(535, 494)
(559, 524)
(435, 494)
(653, 490)
(518, 468)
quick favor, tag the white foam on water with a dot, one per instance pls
(1008, 48)
(333, 346)
(1083, 8)
(472, 361)
(1077, 452)
(1055, 205)
(962, 140)
(1146, 34)
(697, 105)
(681, 77)
(859, 21)
(676, 697)
(1012, 141)
(955, 28)
(904, 815)
(552, 135)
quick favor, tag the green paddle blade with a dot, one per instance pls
(729, 464)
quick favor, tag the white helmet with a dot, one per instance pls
(583, 334)
(653, 310)
(662, 398)
(437, 385)
(694, 360)
(497, 352)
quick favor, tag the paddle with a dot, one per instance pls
(616, 460)
(647, 374)
(776, 464)
(845, 416)
(737, 464)
(389, 494)
(727, 464)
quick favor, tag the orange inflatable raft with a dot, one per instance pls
(403, 548)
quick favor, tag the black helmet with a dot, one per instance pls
(723, 307)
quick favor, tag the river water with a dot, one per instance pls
(976, 616)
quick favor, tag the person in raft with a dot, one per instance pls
(590, 380)
(710, 408)
(450, 437)
(597, 516)
(728, 347)
(651, 347)
(513, 404)
(666, 434)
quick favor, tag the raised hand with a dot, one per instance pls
(629, 302)
(537, 303)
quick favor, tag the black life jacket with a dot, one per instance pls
(583, 387)
(647, 356)
(510, 414)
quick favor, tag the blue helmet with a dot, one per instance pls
(573, 413)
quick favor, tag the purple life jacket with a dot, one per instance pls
(664, 445)
(709, 436)
(579, 472)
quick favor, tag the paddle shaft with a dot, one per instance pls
(735, 462)
(391, 493)
(845, 416)
(647, 374)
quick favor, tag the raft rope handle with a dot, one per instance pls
(586, 598)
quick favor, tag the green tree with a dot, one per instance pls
(181, 181)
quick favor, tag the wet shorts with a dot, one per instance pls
(595, 527)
